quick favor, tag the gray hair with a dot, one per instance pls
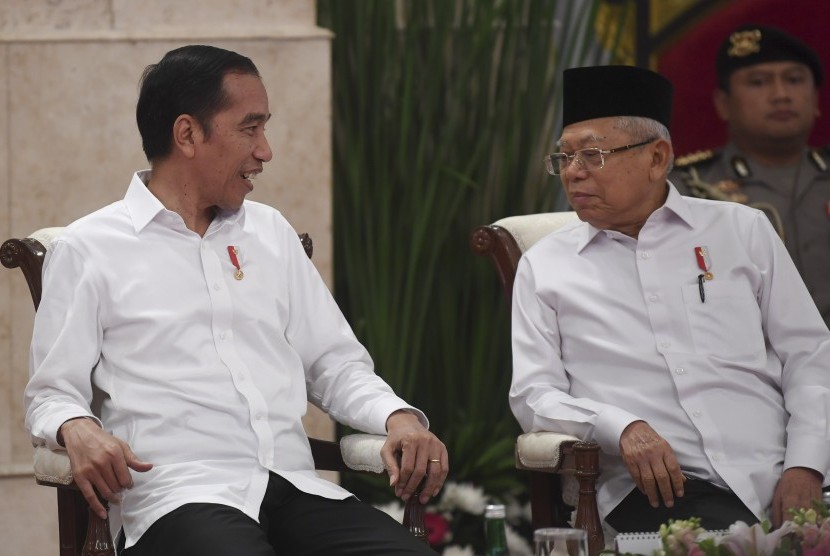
(641, 129)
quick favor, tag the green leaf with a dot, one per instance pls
(442, 113)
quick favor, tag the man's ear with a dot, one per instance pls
(660, 156)
(187, 133)
(720, 98)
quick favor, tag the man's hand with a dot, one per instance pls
(100, 462)
(651, 463)
(410, 452)
(797, 488)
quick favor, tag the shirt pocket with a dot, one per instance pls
(729, 321)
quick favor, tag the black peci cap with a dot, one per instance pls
(755, 44)
(607, 91)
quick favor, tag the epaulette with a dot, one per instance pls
(695, 158)
(820, 156)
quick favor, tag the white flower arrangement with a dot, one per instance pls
(455, 523)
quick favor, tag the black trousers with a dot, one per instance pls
(717, 509)
(292, 523)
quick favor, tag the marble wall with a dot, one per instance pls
(68, 145)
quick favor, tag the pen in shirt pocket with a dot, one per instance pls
(704, 263)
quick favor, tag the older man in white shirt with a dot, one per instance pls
(675, 332)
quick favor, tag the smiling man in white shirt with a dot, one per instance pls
(199, 316)
(675, 332)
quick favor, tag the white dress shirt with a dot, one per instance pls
(206, 376)
(608, 329)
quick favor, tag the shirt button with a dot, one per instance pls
(221, 335)
(216, 286)
(654, 298)
(645, 255)
(665, 343)
(715, 457)
(680, 370)
(259, 416)
(696, 413)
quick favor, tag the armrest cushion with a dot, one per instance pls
(542, 450)
(361, 452)
(52, 466)
(46, 235)
(530, 228)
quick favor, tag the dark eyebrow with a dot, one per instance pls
(255, 118)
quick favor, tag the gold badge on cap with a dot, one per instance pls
(744, 43)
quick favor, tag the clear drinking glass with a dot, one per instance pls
(556, 541)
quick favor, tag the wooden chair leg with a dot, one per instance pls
(72, 521)
(587, 513)
(413, 517)
(98, 536)
(81, 532)
(545, 501)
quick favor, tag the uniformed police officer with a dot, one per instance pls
(768, 96)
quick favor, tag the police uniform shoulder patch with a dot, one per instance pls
(694, 158)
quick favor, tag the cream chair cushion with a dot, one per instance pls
(541, 450)
(530, 228)
(361, 452)
(52, 466)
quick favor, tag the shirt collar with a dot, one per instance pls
(679, 205)
(143, 206)
(675, 203)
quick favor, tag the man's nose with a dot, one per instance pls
(780, 88)
(575, 166)
(263, 150)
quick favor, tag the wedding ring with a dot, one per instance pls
(435, 461)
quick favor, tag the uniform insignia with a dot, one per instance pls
(740, 166)
(818, 160)
(693, 158)
(744, 43)
(731, 190)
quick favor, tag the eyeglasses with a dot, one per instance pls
(588, 159)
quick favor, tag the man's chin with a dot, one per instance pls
(230, 206)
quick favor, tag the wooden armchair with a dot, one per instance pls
(563, 470)
(82, 532)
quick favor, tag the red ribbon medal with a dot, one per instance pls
(704, 262)
(233, 251)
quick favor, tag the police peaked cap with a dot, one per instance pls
(755, 44)
(606, 91)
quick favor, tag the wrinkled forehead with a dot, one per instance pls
(588, 133)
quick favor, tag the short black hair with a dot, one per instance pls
(187, 80)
